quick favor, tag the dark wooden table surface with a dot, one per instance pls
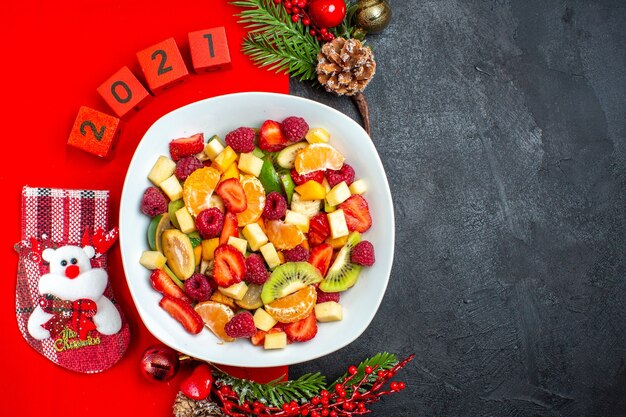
(501, 126)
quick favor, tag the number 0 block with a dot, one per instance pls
(94, 132)
(163, 66)
(123, 92)
(209, 50)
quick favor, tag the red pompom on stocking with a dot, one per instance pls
(64, 303)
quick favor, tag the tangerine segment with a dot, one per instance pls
(255, 195)
(215, 316)
(293, 307)
(283, 235)
(198, 189)
(318, 156)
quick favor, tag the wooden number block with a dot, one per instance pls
(94, 132)
(123, 92)
(209, 50)
(163, 66)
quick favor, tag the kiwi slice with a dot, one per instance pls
(343, 274)
(289, 278)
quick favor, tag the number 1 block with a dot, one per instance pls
(163, 66)
(123, 92)
(94, 132)
(209, 50)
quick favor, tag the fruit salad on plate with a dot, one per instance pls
(258, 235)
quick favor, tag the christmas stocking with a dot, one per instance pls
(64, 303)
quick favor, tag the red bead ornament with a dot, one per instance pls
(327, 13)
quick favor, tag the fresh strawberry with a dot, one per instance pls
(186, 146)
(258, 338)
(197, 386)
(319, 229)
(183, 313)
(302, 330)
(163, 283)
(229, 266)
(271, 137)
(233, 195)
(321, 256)
(299, 179)
(230, 228)
(357, 213)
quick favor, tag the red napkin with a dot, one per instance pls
(65, 307)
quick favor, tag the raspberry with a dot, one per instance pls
(345, 173)
(255, 270)
(363, 254)
(294, 128)
(301, 179)
(297, 254)
(275, 206)
(241, 139)
(241, 325)
(322, 296)
(197, 287)
(186, 166)
(154, 202)
(210, 222)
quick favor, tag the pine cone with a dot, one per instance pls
(186, 407)
(345, 66)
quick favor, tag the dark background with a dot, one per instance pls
(501, 126)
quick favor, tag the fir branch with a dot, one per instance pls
(382, 360)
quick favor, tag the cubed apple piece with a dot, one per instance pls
(185, 221)
(208, 248)
(312, 190)
(172, 188)
(162, 169)
(275, 340)
(250, 164)
(338, 194)
(358, 187)
(240, 244)
(337, 223)
(213, 148)
(317, 135)
(328, 311)
(255, 236)
(297, 219)
(152, 259)
(224, 159)
(262, 320)
(271, 256)
(235, 291)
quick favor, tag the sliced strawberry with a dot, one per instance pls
(319, 229)
(321, 257)
(233, 195)
(230, 228)
(300, 179)
(271, 137)
(229, 266)
(186, 146)
(302, 330)
(357, 213)
(163, 283)
(183, 313)
(258, 338)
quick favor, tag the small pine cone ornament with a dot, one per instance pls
(186, 407)
(345, 66)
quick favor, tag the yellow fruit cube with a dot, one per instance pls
(275, 340)
(218, 297)
(162, 169)
(250, 164)
(298, 219)
(311, 190)
(255, 236)
(152, 259)
(262, 320)
(231, 172)
(235, 291)
(224, 159)
(337, 223)
(185, 221)
(337, 243)
(172, 188)
(240, 244)
(208, 248)
(328, 311)
(197, 252)
(358, 187)
(317, 135)
(213, 148)
(270, 255)
(338, 194)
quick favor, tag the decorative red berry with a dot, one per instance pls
(241, 139)
(210, 222)
(352, 370)
(306, 22)
(368, 370)
(363, 253)
(295, 17)
(275, 206)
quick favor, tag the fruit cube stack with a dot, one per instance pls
(256, 236)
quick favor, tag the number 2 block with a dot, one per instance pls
(123, 92)
(163, 66)
(209, 50)
(94, 132)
